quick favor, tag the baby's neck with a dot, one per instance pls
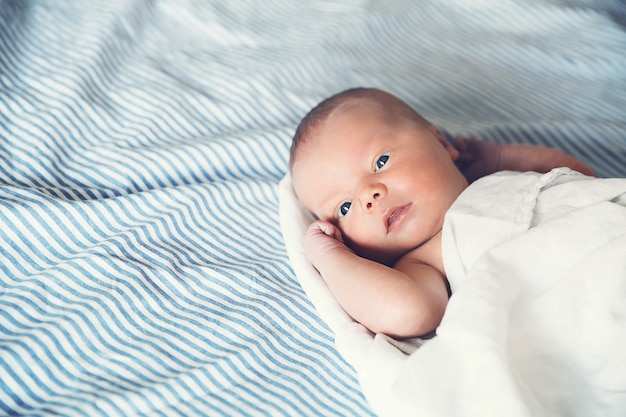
(429, 253)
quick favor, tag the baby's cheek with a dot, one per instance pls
(350, 241)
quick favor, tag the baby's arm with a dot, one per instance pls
(478, 158)
(408, 300)
(517, 157)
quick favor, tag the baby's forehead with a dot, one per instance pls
(344, 118)
(388, 111)
(346, 111)
(357, 105)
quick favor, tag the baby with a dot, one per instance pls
(380, 179)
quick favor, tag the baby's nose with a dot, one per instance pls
(372, 200)
(372, 195)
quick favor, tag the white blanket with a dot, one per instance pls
(536, 325)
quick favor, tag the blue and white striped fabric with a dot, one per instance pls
(142, 268)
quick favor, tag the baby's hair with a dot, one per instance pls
(316, 117)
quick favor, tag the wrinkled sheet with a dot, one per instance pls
(143, 269)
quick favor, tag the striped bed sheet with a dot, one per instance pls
(142, 266)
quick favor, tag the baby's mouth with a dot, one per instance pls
(396, 216)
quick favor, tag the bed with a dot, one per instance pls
(143, 269)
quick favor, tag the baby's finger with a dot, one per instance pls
(329, 229)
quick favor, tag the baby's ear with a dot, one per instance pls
(454, 152)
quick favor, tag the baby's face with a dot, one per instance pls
(386, 184)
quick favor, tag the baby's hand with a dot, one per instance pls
(320, 238)
(477, 158)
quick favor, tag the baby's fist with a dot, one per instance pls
(320, 238)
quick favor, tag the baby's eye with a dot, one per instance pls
(343, 209)
(381, 161)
